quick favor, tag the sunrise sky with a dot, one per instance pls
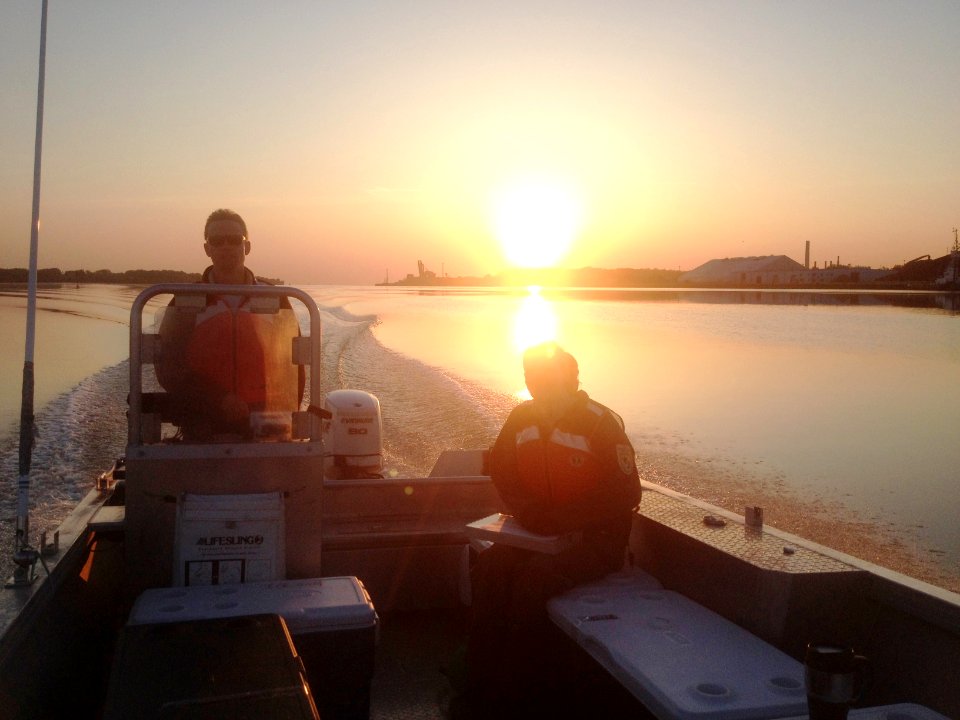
(359, 137)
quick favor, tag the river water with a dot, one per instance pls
(836, 412)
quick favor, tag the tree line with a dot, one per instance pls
(131, 277)
(127, 277)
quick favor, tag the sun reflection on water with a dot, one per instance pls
(534, 323)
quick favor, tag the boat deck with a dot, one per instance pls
(417, 650)
(413, 650)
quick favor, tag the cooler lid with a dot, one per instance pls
(309, 605)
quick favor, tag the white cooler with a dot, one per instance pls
(678, 658)
(332, 621)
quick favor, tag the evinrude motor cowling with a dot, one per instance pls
(352, 435)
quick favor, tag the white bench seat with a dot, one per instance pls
(679, 659)
(900, 711)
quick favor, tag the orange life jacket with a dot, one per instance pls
(560, 468)
(225, 351)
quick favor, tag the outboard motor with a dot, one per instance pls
(352, 436)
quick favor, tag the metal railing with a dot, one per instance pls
(135, 400)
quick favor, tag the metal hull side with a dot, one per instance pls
(908, 629)
(55, 654)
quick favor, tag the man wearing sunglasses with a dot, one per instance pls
(223, 363)
(227, 245)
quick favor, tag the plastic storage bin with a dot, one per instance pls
(332, 621)
(216, 668)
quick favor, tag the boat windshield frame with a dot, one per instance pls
(137, 355)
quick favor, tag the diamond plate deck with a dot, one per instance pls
(758, 547)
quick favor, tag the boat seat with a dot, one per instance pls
(898, 711)
(681, 660)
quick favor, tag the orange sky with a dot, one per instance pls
(356, 140)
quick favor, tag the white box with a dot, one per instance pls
(228, 539)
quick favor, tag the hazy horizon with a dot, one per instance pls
(403, 274)
(357, 139)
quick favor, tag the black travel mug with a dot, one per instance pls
(835, 677)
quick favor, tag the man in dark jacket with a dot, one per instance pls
(561, 464)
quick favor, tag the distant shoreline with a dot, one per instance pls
(454, 283)
(47, 276)
(56, 276)
(624, 278)
(587, 278)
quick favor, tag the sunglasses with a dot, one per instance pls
(221, 240)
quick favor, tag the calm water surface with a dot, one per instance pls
(78, 332)
(837, 397)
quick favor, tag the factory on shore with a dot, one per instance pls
(781, 270)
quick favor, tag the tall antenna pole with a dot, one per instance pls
(25, 556)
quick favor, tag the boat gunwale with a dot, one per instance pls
(19, 605)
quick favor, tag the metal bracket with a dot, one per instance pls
(49, 549)
(301, 350)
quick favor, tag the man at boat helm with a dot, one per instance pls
(562, 464)
(222, 362)
(226, 243)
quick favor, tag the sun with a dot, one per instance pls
(536, 219)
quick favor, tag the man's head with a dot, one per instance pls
(550, 371)
(226, 243)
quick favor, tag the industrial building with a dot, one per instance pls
(765, 270)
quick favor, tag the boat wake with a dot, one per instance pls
(425, 410)
(79, 435)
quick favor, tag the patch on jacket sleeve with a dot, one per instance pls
(625, 459)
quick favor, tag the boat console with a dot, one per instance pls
(274, 449)
(205, 499)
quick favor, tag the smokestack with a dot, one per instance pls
(806, 257)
